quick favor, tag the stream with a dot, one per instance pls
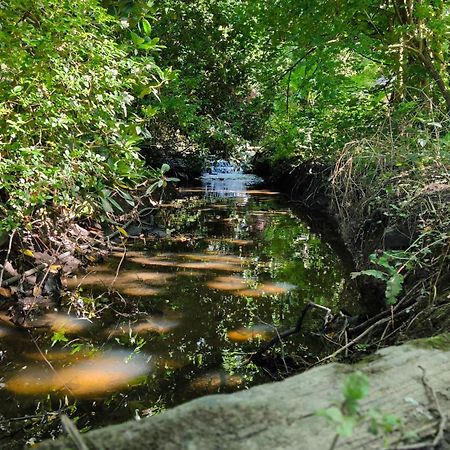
(175, 317)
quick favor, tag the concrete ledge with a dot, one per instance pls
(282, 415)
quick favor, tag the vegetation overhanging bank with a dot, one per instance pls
(393, 220)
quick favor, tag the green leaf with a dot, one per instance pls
(107, 206)
(115, 204)
(356, 386)
(146, 26)
(345, 428)
(152, 188)
(137, 40)
(122, 231)
(333, 414)
(394, 287)
(59, 336)
(390, 422)
(165, 168)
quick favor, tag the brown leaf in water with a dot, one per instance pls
(239, 242)
(275, 288)
(213, 266)
(265, 289)
(232, 259)
(254, 293)
(57, 356)
(157, 325)
(139, 291)
(153, 261)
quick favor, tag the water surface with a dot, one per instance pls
(173, 318)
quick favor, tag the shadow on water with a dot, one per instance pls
(175, 318)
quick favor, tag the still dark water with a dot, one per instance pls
(175, 318)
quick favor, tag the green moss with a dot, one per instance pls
(358, 365)
(367, 360)
(440, 342)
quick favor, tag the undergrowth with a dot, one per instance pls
(391, 192)
(69, 120)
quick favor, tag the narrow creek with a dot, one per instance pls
(234, 264)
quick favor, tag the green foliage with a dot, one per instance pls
(159, 180)
(70, 77)
(390, 263)
(211, 45)
(348, 414)
(59, 336)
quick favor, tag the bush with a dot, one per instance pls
(68, 124)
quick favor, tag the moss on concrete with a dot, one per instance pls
(440, 342)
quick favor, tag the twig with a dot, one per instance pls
(431, 394)
(443, 417)
(34, 416)
(280, 336)
(119, 266)
(7, 255)
(28, 273)
(46, 359)
(355, 340)
(73, 433)
(335, 441)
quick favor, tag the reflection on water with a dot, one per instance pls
(64, 323)
(212, 382)
(197, 306)
(91, 377)
(261, 332)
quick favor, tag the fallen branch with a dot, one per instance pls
(28, 273)
(280, 336)
(355, 340)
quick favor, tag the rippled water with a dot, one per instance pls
(175, 317)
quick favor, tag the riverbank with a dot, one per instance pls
(394, 224)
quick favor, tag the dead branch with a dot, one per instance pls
(280, 336)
